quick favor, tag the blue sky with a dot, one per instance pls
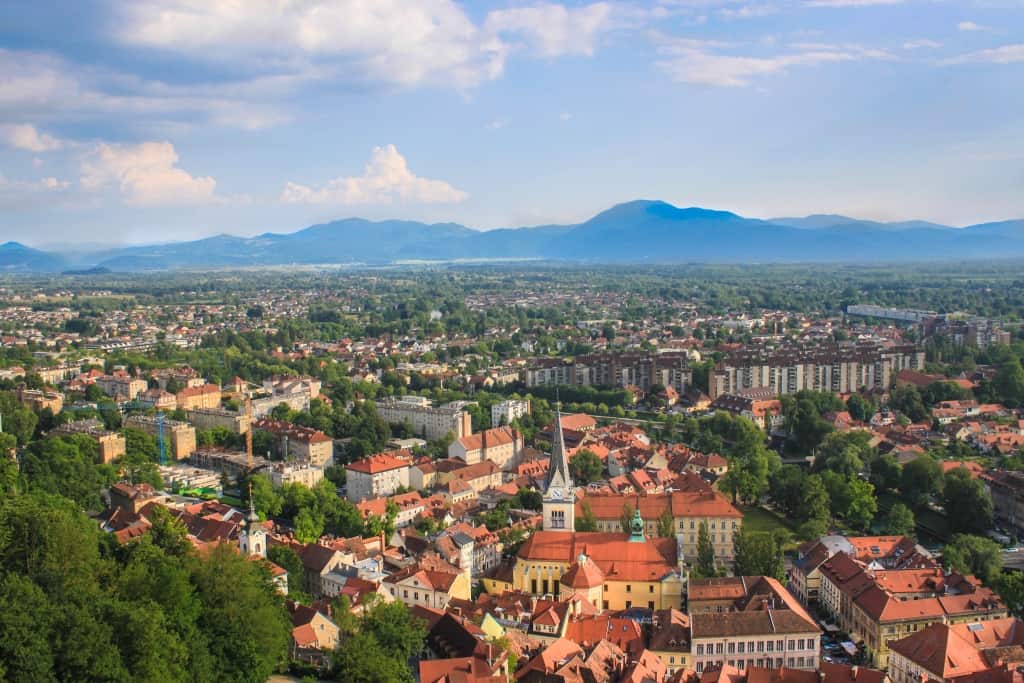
(154, 120)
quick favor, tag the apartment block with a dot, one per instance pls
(299, 443)
(839, 368)
(180, 437)
(111, 444)
(430, 422)
(377, 475)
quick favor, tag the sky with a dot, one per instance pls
(141, 121)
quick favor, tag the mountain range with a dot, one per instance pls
(634, 232)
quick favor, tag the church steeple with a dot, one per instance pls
(253, 539)
(558, 468)
(559, 494)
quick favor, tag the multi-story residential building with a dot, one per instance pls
(111, 444)
(501, 445)
(688, 510)
(180, 437)
(157, 399)
(749, 621)
(305, 473)
(428, 421)
(217, 418)
(510, 409)
(761, 406)
(203, 396)
(1007, 489)
(300, 443)
(877, 606)
(550, 372)
(839, 368)
(295, 392)
(410, 506)
(41, 399)
(377, 475)
(948, 653)
(643, 370)
(429, 588)
(121, 384)
(479, 476)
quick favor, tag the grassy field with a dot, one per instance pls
(758, 519)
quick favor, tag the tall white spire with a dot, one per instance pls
(558, 468)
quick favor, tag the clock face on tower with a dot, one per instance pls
(556, 493)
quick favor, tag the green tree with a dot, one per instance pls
(900, 520)
(585, 466)
(968, 504)
(26, 623)
(1008, 383)
(863, 505)
(242, 619)
(844, 453)
(666, 524)
(267, 500)
(860, 408)
(815, 505)
(1010, 586)
(921, 479)
(360, 659)
(285, 557)
(975, 555)
(906, 398)
(758, 553)
(705, 566)
(587, 521)
(309, 526)
(626, 518)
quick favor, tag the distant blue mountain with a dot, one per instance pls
(16, 257)
(640, 231)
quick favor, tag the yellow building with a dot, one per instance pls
(630, 569)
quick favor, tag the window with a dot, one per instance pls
(779, 646)
(760, 647)
(650, 605)
(692, 526)
(700, 667)
(629, 588)
(771, 646)
(743, 665)
(792, 644)
(700, 649)
(604, 603)
(682, 525)
(731, 649)
(628, 604)
(718, 648)
(533, 585)
(671, 660)
(416, 595)
(740, 647)
(558, 519)
(405, 593)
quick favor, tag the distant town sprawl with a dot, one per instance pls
(705, 474)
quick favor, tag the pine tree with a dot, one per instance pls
(705, 553)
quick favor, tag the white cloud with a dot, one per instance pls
(146, 174)
(36, 85)
(31, 193)
(971, 26)
(748, 11)
(497, 124)
(689, 61)
(918, 44)
(386, 178)
(1007, 54)
(25, 136)
(396, 42)
(553, 30)
(564, 116)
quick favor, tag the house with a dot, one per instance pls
(501, 445)
(311, 628)
(749, 621)
(317, 562)
(948, 653)
(434, 588)
(377, 475)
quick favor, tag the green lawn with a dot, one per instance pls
(758, 519)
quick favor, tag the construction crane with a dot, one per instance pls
(248, 432)
(161, 442)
